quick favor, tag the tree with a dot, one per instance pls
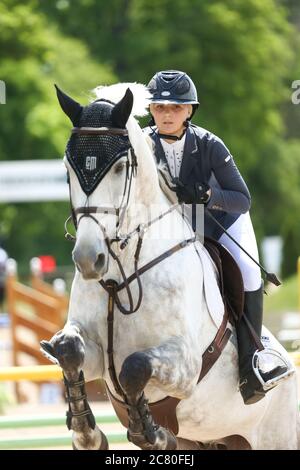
(242, 55)
(34, 56)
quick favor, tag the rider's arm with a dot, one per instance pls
(233, 194)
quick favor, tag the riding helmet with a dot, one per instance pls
(173, 86)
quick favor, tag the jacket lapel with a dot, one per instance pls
(190, 152)
(189, 155)
(159, 151)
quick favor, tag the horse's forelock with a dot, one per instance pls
(116, 92)
(97, 114)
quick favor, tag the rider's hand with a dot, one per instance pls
(198, 193)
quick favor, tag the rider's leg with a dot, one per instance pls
(242, 230)
(250, 387)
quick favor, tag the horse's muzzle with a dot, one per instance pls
(91, 264)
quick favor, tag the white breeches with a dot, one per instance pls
(242, 231)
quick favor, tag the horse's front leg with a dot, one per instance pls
(70, 349)
(173, 369)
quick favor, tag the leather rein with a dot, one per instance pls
(112, 287)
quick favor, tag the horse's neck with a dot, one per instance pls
(148, 203)
(161, 233)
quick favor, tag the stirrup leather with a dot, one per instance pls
(268, 384)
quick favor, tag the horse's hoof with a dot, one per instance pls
(104, 443)
(163, 440)
(171, 441)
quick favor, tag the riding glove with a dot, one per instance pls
(189, 194)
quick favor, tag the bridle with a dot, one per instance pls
(89, 211)
(111, 286)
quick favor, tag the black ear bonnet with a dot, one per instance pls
(92, 156)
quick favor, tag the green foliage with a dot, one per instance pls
(238, 54)
(242, 55)
(34, 56)
(36, 229)
(280, 300)
(285, 297)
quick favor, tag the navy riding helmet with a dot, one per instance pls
(173, 86)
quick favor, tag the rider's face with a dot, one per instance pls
(169, 118)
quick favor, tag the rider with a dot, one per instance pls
(205, 173)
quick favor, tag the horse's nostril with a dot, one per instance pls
(100, 262)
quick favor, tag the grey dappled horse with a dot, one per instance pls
(147, 279)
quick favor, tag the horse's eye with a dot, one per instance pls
(119, 167)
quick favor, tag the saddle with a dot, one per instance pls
(232, 290)
(230, 278)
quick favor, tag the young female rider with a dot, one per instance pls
(205, 173)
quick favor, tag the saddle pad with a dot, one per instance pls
(211, 287)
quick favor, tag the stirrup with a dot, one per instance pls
(268, 384)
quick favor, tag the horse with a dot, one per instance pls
(145, 305)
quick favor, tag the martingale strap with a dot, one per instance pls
(164, 411)
(112, 288)
(210, 355)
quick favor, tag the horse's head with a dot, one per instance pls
(100, 150)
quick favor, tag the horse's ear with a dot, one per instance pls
(69, 106)
(122, 110)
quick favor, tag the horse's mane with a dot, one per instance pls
(115, 92)
(141, 142)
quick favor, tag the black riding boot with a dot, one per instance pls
(250, 387)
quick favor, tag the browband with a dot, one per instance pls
(99, 131)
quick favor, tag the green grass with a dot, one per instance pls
(280, 300)
(283, 298)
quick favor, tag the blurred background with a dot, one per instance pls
(244, 57)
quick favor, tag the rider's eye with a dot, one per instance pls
(119, 167)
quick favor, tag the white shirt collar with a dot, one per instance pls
(177, 145)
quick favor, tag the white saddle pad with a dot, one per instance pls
(211, 288)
